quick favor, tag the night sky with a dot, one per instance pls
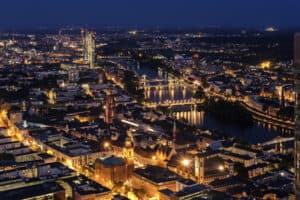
(150, 13)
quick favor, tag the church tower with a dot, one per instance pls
(128, 155)
(199, 169)
(109, 107)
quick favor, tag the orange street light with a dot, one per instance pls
(106, 145)
(185, 162)
(221, 168)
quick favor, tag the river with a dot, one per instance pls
(256, 134)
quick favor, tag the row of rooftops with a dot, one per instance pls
(32, 191)
(196, 192)
(54, 169)
(85, 186)
(156, 174)
(79, 184)
(64, 143)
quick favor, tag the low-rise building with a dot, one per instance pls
(47, 190)
(152, 179)
(82, 188)
(111, 170)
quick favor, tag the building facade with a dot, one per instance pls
(111, 171)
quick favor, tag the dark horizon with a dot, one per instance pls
(32, 14)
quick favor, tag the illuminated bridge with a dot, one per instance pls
(160, 84)
(174, 103)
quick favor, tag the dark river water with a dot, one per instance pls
(255, 134)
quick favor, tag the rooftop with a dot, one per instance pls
(156, 174)
(85, 186)
(31, 191)
(112, 161)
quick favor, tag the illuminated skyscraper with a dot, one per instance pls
(88, 41)
(297, 116)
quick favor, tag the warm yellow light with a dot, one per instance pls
(131, 196)
(51, 95)
(69, 163)
(185, 162)
(265, 65)
(106, 145)
(34, 143)
(50, 152)
(153, 157)
(87, 90)
(221, 168)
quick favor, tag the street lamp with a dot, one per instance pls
(153, 157)
(185, 162)
(221, 168)
(106, 145)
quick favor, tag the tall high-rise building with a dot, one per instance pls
(297, 115)
(88, 41)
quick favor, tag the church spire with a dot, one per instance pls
(174, 133)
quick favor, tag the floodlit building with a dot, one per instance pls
(111, 170)
(72, 152)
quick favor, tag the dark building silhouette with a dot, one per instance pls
(297, 116)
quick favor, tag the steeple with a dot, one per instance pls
(174, 134)
(173, 147)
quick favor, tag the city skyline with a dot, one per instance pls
(150, 100)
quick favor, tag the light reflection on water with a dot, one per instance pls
(258, 133)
